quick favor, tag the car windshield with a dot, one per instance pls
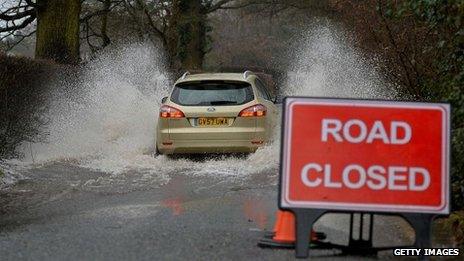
(208, 93)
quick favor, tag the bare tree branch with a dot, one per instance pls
(6, 36)
(19, 15)
(15, 9)
(218, 5)
(91, 15)
(21, 38)
(282, 5)
(158, 32)
(30, 3)
(103, 11)
(22, 25)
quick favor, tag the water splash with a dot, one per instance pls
(106, 119)
(325, 65)
(108, 111)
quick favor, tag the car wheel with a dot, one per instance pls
(156, 152)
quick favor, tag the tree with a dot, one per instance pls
(421, 43)
(187, 33)
(181, 27)
(97, 39)
(57, 30)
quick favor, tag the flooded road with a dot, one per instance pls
(64, 214)
(93, 190)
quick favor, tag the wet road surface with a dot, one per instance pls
(64, 212)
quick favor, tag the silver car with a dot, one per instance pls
(216, 113)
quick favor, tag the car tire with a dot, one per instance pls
(156, 152)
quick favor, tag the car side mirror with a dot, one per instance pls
(164, 99)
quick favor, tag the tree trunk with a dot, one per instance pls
(58, 30)
(104, 24)
(187, 34)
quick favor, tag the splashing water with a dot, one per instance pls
(326, 66)
(106, 120)
(108, 112)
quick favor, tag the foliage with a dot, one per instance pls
(23, 95)
(445, 21)
(421, 46)
(455, 225)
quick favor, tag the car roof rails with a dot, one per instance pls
(185, 75)
(246, 74)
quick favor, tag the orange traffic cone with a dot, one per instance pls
(278, 220)
(283, 235)
(285, 229)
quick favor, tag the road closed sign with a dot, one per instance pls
(365, 155)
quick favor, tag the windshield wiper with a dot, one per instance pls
(222, 102)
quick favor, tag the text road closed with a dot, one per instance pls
(365, 155)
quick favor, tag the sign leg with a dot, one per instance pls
(304, 223)
(422, 225)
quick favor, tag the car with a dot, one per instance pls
(216, 113)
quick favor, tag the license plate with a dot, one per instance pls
(212, 121)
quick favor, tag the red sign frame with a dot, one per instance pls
(294, 194)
